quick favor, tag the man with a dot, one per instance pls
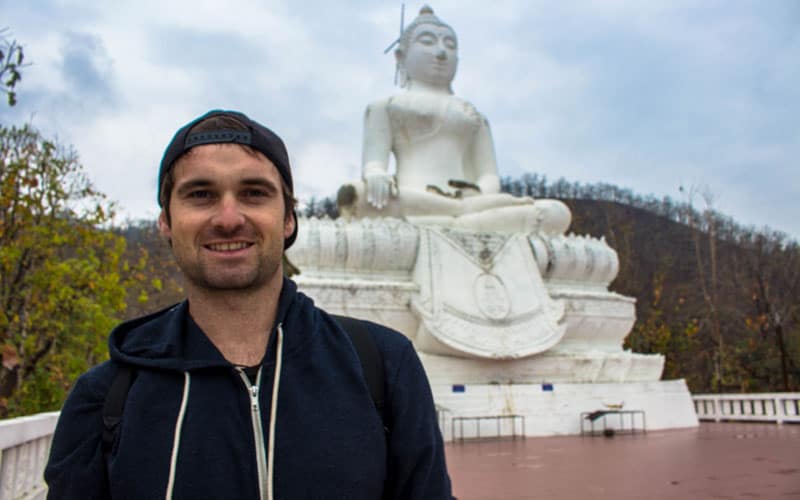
(246, 390)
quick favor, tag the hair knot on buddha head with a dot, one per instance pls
(427, 53)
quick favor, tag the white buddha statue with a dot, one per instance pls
(446, 172)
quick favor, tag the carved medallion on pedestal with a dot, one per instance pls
(481, 296)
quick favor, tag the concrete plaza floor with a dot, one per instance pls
(714, 461)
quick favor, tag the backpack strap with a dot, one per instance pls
(371, 361)
(115, 404)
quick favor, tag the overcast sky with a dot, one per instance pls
(650, 95)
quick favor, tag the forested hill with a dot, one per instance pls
(720, 300)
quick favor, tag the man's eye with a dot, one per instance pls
(255, 193)
(199, 194)
(426, 39)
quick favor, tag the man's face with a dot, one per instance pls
(227, 218)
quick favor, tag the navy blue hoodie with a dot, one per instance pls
(190, 427)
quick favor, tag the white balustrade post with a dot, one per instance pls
(24, 445)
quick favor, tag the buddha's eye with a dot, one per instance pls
(450, 43)
(426, 39)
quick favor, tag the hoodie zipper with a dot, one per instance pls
(258, 430)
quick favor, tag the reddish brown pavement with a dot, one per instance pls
(714, 461)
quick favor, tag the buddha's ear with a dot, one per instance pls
(399, 55)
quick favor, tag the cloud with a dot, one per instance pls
(319, 168)
(87, 70)
(210, 52)
(643, 94)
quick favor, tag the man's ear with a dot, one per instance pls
(399, 55)
(288, 224)
(163, 225)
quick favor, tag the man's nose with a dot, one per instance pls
(441, 54)
(229, 217)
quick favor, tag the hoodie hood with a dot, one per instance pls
(170, 340)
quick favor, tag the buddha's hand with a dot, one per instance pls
(464, 188)
(378, 187)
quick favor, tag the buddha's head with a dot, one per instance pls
(427, 52)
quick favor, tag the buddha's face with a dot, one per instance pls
(431, 55)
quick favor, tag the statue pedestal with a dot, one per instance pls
(555, 409)
(490, 310)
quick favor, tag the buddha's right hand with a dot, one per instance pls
(378, 187)
(465, 188)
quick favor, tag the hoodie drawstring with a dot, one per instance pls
(272, 421)
(273, 414)
(177, 438)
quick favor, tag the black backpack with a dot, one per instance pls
(368, 353)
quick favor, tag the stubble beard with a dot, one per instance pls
(204, 275)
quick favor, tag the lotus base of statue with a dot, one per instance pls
(537, 303)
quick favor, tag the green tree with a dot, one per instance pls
(156, 280)
(771, 269)
(11, 61)
(61, 289)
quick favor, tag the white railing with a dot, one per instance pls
(24, 445)
(777, 407)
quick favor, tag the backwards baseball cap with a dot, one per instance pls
(257, 137)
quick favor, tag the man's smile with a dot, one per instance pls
(228, 246)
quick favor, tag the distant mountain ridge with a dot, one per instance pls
(720, 301)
